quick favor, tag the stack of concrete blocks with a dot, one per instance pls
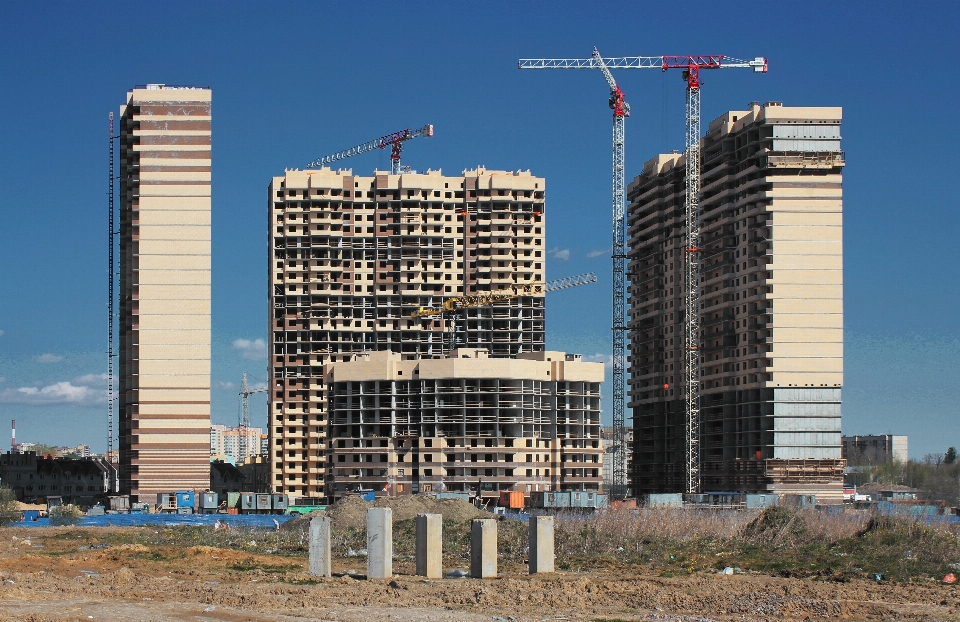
(430, 545)
(320, 547)
(541, 544)
(483, 548)
(379, 543)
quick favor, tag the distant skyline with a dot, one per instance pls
(293, 81)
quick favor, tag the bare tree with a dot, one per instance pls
(934, 460)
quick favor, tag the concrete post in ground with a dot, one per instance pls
(483, 548)
(320, 546)
(541, 544)
(430, 545)
(379, 543)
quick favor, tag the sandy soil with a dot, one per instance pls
(54, 579)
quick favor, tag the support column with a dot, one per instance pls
(320, 546)
(483, 548)
(541, 544)
(379, 543)
(430, 545)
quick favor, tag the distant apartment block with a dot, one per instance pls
(874, 448)
(771, 342)
(606, 441)
(236, 444)
(466, 422)
(351, 257)
(164, 363)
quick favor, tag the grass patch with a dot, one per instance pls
(266, 568)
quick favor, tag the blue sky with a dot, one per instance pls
(293, 81)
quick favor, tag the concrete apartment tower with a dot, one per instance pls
(351, 257)
(771, 307)
(463, 422)
(164, 392)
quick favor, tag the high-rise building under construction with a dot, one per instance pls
(352, 257)
(164, 362)
(771, 307)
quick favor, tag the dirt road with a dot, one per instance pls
(61, 574)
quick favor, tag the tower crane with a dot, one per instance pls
(245, 393)
(395, 141)
(691, 66)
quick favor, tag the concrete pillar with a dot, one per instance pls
(320, 546)
(483, 548)
(541, 544)
(379, 543)
(430, 546)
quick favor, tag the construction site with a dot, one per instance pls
(727, 285)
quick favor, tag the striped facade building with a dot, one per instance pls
(164, 390)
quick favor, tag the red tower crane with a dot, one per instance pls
(691, 66)
(395, 141)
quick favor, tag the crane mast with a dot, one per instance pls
(245, 393)
(691, 317)
(621, 110)
(691, 66)
(395, 141)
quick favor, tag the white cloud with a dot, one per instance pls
(599, 252)
(255, 350)
(1, 333)
(49, 358)
(88, 379)
(559, 253)
(57, 393)
(225, 385)
(606, 359)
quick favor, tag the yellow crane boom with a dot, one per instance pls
(514, 291)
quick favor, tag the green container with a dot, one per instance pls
(233, 499)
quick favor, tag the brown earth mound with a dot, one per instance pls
(351, 512)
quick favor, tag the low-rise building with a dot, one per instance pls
(874, 448)
(465, 422)
(78, 480)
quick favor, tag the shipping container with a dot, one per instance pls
(280, 503)
(601, 501)
(762, 501)
(118, 503)
(185, 499)
(662, 500)
(185, 510)
(248, 502)
(233, 510)
(512, 499)
(799, 502)
(209, 502)
(583, 499)
(545, 500)
(233, 499)
(263, 502)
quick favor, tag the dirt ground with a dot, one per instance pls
(60, 573)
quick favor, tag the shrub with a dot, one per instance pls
(67, 514)
(9, 510)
